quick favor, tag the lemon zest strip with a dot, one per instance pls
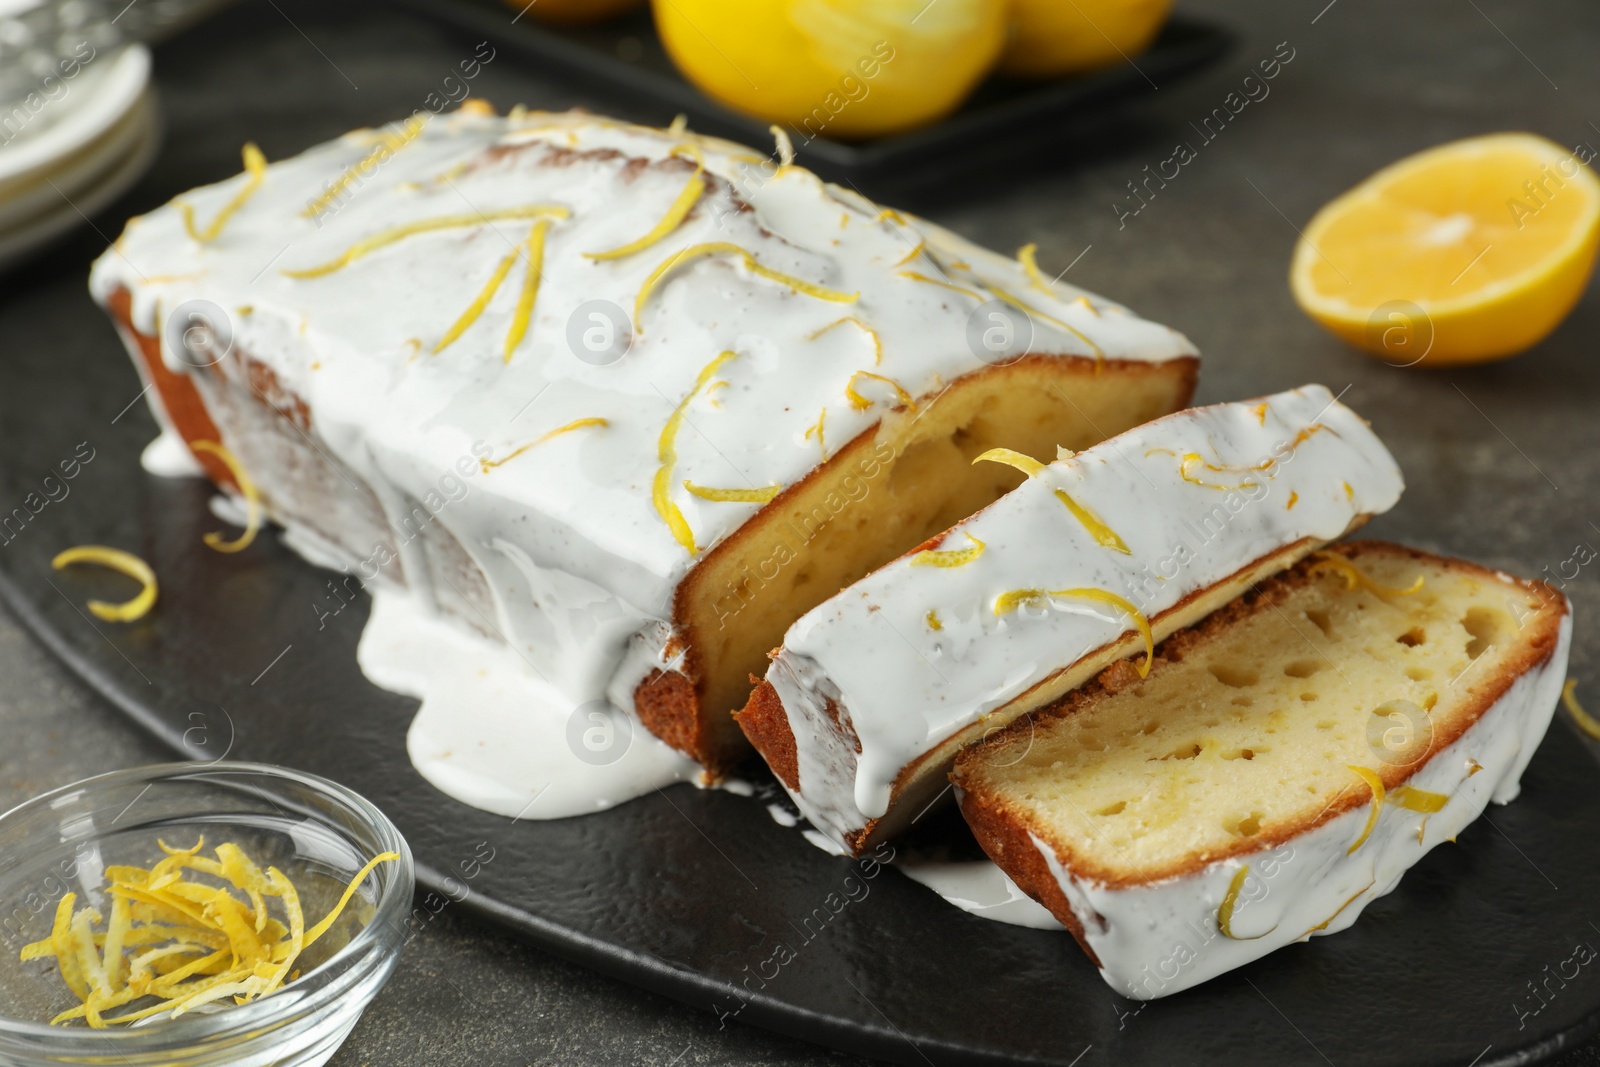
(247, 489)
(667, 456)
(1376, 785)
(530, 287)
(954, 557)
(816, 429)
(368, 245)
(1229, 901)
(1354, 576)
(1422, 800)
(1102, 534)
(733, 496)
(1015, 598)
(861, 403)
(479, 302)
(1294, 498)
(918, 276)
(687, 197)
(576, 424)
(123, 563)
(255, 164)
(388, 144)
(877, 342)
(1028, 256)
(917, 250)
(728, 248)
(933, 619)
(1028, 309)
(1586, 722)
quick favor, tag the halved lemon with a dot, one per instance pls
(1465, 253)
(835, 68)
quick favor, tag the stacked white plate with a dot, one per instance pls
(64, 158)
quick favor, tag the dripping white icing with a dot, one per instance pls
(492, 734)
(980, 888)
(169, 457)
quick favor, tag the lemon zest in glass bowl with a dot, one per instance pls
(123, 563)
(247, 489)
(186, 943)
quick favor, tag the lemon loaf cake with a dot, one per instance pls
(876, 689)
(629, 399)
(1283, 764)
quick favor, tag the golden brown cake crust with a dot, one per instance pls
(1004, 831)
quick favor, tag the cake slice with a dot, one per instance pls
(1090, 560)
(1283, 764)
(628, 399)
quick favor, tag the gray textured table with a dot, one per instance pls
(1485, 450)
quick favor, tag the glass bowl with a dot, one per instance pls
(318, 833)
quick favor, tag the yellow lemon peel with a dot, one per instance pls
(933, 619)
(1028, 309)
(367, 245)
(388, 144)
(247, 489)
(1294, 498)
(1421, 800)
(1376, 785)
(728, 248)
(123, 563)
(1102, 534)
(185, 943)
(918, 276)
(667, 456)
(733, 496)
(954, 557)
(465, 320)
(877, 342)
(1353, 576)
(861, 403)
(530, 287)
(1028, 256)
(255, 165)
(687, 198)
(1015, 598)
(1586, 722)
(817, 429)
(1261, 413)
(576, 424)
(1229, 901)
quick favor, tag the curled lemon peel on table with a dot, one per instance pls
(1101, 533)
(255, 165)
(123, 563)
(1375, 784)
(1586, 722)
(679, 210)
(954, 557)
(667, 456)
(388, 144)
(861, 403)
(877, 341)
(733, 496)
(1013, 599)
(247, 489)
(1353, 576)
(384, 238)
(184, 942)
(576, 424)
(728, 248)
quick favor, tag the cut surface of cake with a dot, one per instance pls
(1283, 764)
(876, 689)
(628, 399)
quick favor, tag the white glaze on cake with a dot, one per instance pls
(580, 565)
(1157, 939)
(980, 888)
(904, 686)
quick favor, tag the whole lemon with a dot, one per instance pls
(573, 12)
(1049, 38)
(840, 68)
